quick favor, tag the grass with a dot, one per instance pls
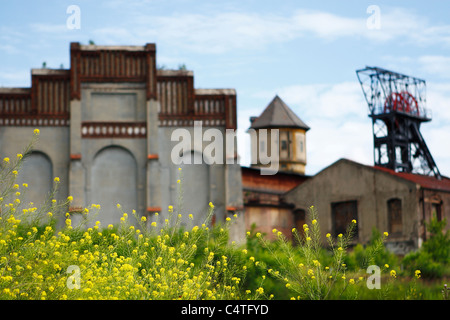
(157, 258)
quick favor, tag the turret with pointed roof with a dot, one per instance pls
(278, 115)
(292, 136)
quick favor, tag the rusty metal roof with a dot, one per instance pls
(277, 114)
(426, 182)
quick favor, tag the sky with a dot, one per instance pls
(306, 52)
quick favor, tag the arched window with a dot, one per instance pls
(195, 188)
(37, 172)
(395, 226)
(113, 181)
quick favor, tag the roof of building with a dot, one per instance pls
(426, 182)
(279, 183)
(278, 114)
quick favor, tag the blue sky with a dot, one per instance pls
(304, 51)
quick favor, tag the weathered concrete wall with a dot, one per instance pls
(436, 205)
(348, 181)
(51, 145)
(201, 183)
(266, 218)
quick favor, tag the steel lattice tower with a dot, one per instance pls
(397, 106)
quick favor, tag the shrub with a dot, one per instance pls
(434, 255)
(374, 253)
(303, 271)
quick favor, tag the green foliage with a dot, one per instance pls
(438, 245)
(305, 270)
(434, 256)
(374, 253)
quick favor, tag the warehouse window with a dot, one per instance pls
(342, 215)
(395, 216)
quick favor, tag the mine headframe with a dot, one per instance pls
(397, 106)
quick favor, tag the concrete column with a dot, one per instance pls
(234, 201)
(76, 169)
(153, 165)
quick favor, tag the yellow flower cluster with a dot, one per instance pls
(125, 262)
(150, 259)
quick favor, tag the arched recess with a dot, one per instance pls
(114, 181)
(37, 172)
(195, 186)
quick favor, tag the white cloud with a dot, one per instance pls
(331, 101)
(435, 64)
(337, 116)
(49, 28)
(221, 32)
